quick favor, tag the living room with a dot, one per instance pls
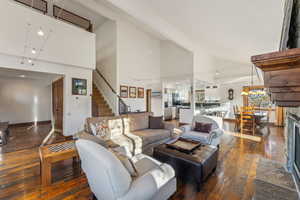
(160, 99)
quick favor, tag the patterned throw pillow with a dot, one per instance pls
(100, 130)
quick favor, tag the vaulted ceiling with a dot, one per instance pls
(233, 29)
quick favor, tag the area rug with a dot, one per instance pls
(273, 182)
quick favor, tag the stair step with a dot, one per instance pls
(100, 106)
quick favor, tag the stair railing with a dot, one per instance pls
(123, 107)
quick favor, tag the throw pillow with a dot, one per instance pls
(100, 129)
(86, 136)
(127, 162)
(156, 122)
(203, 127)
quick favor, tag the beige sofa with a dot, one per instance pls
(132, 132)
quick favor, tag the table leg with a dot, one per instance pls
(46, 173)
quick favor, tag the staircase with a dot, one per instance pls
(100, 108)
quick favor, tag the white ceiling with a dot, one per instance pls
(232, 29)
(75, 7)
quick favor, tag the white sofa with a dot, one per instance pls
(110, 180)
(212, 138)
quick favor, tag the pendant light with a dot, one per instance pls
(250, 92)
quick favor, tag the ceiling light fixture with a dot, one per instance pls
(29, 61)
(33, 51)
(22, 76)
(244, 93)
(40, 32)
(250, 92)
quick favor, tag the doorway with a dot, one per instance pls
(57, 104)
(148, 100)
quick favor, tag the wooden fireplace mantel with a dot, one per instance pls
(281, 75)
(280, 60)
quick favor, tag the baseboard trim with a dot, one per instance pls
(29, 123)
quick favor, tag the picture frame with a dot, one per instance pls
(141, 93)
(132, 92)
(79, 86)
(123, 91)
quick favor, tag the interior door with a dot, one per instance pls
(57, 104)
(148, 100)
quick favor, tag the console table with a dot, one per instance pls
(52, 153)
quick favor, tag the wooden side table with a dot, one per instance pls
(52, 153)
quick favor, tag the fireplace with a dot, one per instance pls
(296, 151)
(292, 135)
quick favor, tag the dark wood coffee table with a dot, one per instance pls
(195, 166)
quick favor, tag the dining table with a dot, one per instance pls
(258, 116)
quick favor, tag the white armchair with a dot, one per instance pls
(110, 180)
(212, 138)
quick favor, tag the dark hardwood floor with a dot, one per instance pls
(26, 137)
(20, 170)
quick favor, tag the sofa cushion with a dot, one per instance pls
(97, 120)
(144, 163)
(139, 121)
(156, 122)
(86, 136)
(115, 128)
(126, 161)
(149, 136)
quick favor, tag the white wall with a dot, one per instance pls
(138, 60)
(237, 89)
(176, 62)
(157, 106)
(76, 108)
(70, 51)
(204, 67)
(67, 44)
(24, 100)
(106, 54)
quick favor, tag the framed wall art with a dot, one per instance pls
(132, 92)
(141, 93)
(124, 91)
(79, 86)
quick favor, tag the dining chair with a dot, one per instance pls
(237, 118)
(265, 121)
(248, 125)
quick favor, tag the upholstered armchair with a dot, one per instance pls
(212, 138)
(110, 180)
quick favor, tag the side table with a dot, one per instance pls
(52, 153)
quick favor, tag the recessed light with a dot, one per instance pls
(33, 51)
(22, 76)
(40, 33)
(29, 61)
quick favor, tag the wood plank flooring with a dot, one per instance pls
(20, 170)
